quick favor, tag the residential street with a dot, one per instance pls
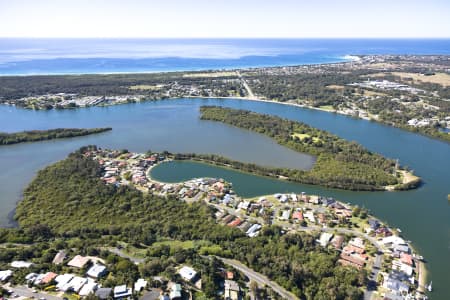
(25, 292)
(259, 278)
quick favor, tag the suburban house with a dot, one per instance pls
(5, 275)
(59, 257)
(175, 291)
(97, 271)
(122, 292)
(19, 264)
(103, 293)
(187, 273)
(232, 290)
(78, 261)
(140, 284)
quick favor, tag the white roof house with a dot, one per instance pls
(175, 291)
(140, 284)
(285, 215)
(63, 282)
(88, 288)
(96, 271)
(4, 275)
(21, 264)
(31, 276)
(187, 273)
(77, 283)
(394, 240)
(325, 238)
(122, 291)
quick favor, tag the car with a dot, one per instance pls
(16, 295)
(41, 298)
(34, 290)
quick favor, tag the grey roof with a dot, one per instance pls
(103, 293)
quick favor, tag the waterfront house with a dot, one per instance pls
(374, 224)
(395, 285)
(406, 259)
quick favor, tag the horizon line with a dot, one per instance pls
(212, 37)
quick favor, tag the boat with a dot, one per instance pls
(429, 288)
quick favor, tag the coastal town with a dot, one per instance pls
(394, 268)
(410, 92)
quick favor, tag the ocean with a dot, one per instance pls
(20, 56)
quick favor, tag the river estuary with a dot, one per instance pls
(423, 215)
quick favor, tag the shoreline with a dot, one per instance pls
(347, 58)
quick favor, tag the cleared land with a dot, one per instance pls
(210, 74)
(145, 87)
(438, 78)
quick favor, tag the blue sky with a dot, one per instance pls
(224, 18)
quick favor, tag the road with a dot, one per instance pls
(120, 253)
(247, 88)
(24, 291)
(258, 278)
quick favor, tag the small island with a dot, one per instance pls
(50, 134)
(340, 163)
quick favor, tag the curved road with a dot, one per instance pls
(258, 278)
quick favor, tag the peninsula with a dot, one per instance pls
(50, 134)
(76, 221)
(340, 163)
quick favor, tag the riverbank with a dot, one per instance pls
(366, 118)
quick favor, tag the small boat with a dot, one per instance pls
(429, 288)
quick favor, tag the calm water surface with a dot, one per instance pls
(422, 214)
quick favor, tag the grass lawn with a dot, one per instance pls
(144, 87)
(181, 244)
(302, 136)
(327, 107)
